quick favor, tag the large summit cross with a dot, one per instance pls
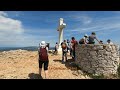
(60, 29)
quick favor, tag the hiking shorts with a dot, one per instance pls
(91, 43)
(45, 64)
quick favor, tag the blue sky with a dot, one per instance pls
(29, 28)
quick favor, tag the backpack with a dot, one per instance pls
(64, 46)
(43, 54)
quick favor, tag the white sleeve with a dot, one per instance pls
(84, 38)
(47, 49)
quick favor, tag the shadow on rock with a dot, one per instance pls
(70, 64)
(34, 76)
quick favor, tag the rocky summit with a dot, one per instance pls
(23, 64)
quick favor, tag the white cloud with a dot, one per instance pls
(10, 30)
(3, 13)
(104, 24)
(85, 19)
(8, 25)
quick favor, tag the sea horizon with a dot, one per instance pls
(29, 48)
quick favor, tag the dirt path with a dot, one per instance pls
(21, 64)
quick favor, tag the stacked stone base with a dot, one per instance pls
(98, 59)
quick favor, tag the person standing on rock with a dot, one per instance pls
(43, 58)
(64, 51)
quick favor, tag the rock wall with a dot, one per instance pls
(98, 59)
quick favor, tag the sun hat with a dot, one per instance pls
(86, 35)
(42, 43)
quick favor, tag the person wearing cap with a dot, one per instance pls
(109, 41)
(92, 38)
(84, 39)
(43, 58)
(101, 42)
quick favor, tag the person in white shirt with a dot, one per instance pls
(109, 41)
(84, 40)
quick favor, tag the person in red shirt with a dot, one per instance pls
(73, 43)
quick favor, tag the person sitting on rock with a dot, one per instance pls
(84, 39)
(109, 41)
(101, 42)
(92, 38)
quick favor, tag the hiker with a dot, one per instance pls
(70, 48)
(64, 51)
(56, 48)
(101, 42)
(68, 45)
(109, 41)
(84, 39)
(73, 44)
(43, 58)
(92, 38)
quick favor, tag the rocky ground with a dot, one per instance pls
(22, 64)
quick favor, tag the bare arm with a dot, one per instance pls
(84, 41)
(97, 40)
(47, 49)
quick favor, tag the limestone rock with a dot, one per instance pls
(99, 59)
